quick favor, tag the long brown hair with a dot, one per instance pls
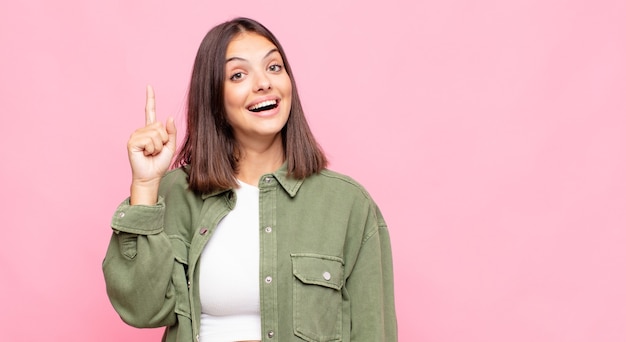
(210, 149)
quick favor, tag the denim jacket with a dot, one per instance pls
(325, 259)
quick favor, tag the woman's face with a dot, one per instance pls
(257, 89)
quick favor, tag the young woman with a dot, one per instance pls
(250, 238)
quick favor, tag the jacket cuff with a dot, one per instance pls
(139, 219)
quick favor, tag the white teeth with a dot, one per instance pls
(263, 104)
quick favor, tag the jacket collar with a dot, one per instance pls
(289, 184)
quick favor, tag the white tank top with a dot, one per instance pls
(229, 274)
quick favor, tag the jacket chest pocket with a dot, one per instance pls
(317, 301)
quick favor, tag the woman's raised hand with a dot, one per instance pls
(150, 151)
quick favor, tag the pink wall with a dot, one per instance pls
(491, 133)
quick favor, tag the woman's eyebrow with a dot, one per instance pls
(270, 52)
(235, 58)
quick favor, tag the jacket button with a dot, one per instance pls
(326, 275)
(268, 229)
(270, 333)
(268, 279)
(203, 230)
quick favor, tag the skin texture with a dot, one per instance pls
(255, 73)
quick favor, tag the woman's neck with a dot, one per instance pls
(255, 160)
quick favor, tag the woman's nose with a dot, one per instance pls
(263, 83)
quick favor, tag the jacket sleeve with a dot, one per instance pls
(138, 266)
(371, 288)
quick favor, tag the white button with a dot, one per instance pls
(268, 229)
(268, 279)
(326, 275)
(270, 333)
(122, 214)
(268, 179)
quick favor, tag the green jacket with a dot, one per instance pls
(325, 264)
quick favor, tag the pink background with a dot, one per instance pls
(491, 133)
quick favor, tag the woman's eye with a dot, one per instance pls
(276, 67)
(236, 76)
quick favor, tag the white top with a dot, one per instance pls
(229, 274)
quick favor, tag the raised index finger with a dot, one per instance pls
(150, 106)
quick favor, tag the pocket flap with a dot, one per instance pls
(179, 277)
(318, 269)
(180, 250)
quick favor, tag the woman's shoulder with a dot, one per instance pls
(340, 182)
(332, 175)
(177, 175)
(347, 190)
(174, 180)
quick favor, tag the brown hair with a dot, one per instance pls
(209, 149)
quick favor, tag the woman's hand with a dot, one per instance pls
(150, 151)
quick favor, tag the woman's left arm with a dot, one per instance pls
(371, 287)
